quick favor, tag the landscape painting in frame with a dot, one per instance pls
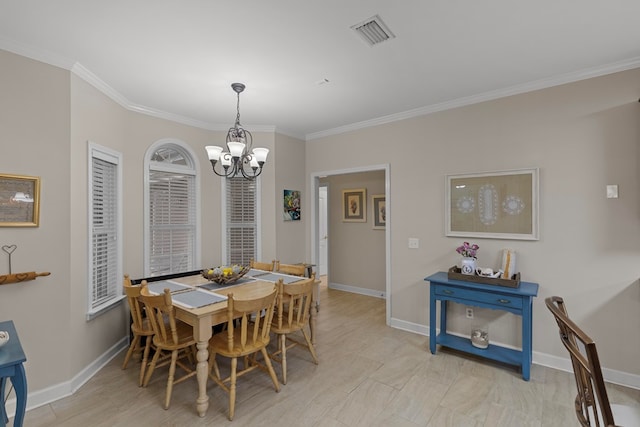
(291, 205)
(499, 205)
(19, 201)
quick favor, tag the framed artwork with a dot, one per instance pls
(19, 201)
(495, 205)
(291, 206)
(379, 211)
(354, 205)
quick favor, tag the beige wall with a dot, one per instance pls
(289, 162)
(34, 140)
(582, 136)
(356, 250)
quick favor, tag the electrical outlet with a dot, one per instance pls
(469, 313)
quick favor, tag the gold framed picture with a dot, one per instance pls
(354, 205)
(19, 201)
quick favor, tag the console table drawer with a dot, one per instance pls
(495, 299)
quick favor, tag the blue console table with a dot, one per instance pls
(11, 367)
(518, 301)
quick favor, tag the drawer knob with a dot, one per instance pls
(447, 291)
(504, 301)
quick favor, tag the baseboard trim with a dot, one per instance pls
(357, 290)
(51, 394)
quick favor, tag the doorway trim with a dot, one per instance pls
(315, 242)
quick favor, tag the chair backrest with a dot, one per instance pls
(592, 403)
(296, 297)
(135, 304)
(161, 315)
(293, 269)
(267, 266)
(254, 316)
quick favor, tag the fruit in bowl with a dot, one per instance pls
(225, 274)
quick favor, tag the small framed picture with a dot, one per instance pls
(291, 205)
(379, 211)
(354, 205)
(19, 201)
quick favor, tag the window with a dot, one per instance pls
(242, 220)
(105, 228)
(171, 209)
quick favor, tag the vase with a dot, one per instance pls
(468, 266)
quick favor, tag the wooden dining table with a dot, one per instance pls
(202, 319)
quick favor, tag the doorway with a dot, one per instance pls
(318, 230)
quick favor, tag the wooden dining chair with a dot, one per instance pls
(292, 269)
(267, 266)
(592, 404)
(245, 339)
(171, 337)
(140, 327)
(293, 306)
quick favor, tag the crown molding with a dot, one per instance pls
(31, 52)
(486, 96)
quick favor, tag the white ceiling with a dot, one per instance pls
(177, 59)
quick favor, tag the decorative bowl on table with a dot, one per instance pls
(224, 275)
(4, 338)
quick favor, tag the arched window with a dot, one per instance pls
(171, 209)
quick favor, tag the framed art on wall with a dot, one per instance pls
(19, 201)
(379, 211)
(354, 205)
(291, 205)
(499, 205)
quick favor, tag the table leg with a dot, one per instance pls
(313, 313)
(4, 419)
(432, 322)
(19, 381)
(527, 339)
(202, 373)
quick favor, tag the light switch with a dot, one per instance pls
(414, 243)
(612, 191)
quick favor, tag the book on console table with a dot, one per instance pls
(454, 273)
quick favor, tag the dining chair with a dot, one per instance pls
(293, 306)
(267, 266)
(592, 404)
(171, 338)
(243, 339)
(140, 327)
(293, 269)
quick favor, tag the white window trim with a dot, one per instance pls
(196, 170)
(97, 151)
(223, 241)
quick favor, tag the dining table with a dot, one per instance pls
(202, 304)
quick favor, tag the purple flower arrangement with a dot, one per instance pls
(468, 250)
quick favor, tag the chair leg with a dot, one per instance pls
(152, 367)
(172, 373)
(232, 388)
(272, 373)
(145, 358)
(132, 347)
(310, 346)
(283, 356)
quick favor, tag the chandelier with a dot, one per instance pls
(241, 157)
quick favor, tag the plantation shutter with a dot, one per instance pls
(104, 230)
(172, 222)
(241, 220)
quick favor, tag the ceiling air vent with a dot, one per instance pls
(373, 31)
